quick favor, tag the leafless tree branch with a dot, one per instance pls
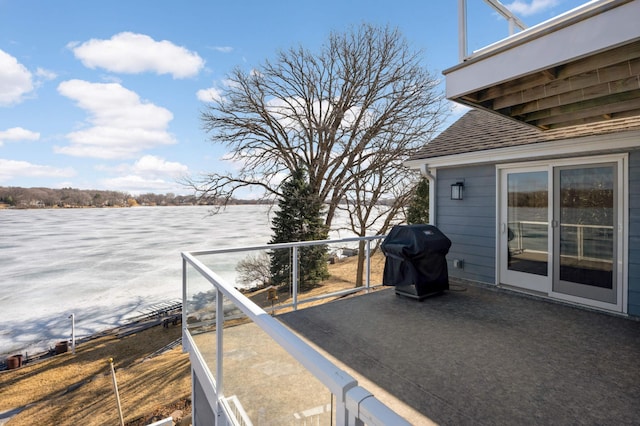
(350, 114)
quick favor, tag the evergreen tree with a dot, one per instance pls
(418, 211)
(299, 218)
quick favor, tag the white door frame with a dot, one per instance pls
(621, 220)
(535, 283)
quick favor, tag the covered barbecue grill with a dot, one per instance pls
(416, 260)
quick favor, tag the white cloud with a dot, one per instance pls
(120, 124)
(132, 53)
(147, 174)
(15, 80)
(214, 93)
(210, 94)
(149, 165)
(135, 184)
(10, 169)
(18, 134)
(156, 166)
(525, 8)
(223, 49)
(46, 74)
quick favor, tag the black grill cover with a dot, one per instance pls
(416, 260)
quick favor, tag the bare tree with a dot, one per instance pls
(364, 96)
(378, 196)
(254, 270)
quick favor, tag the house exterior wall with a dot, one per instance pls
(634, 234)
(469, 223)
(202, 411)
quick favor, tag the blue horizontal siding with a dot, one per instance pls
(634, 303)
(469, 223)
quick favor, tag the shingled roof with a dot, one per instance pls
(479, 130)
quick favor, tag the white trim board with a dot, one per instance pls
(596, 144)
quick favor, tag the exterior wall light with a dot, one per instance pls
(456, 190)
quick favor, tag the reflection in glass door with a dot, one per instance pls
(584, 231)
(527, 222)
(525, 247)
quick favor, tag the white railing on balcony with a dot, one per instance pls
(579, 241)
(501, 9)
(235, 411)
(350, 404)
(295, 253)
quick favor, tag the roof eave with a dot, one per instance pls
(528, 77)
(585, 145)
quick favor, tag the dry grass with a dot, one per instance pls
(76, 389)
(343, 276)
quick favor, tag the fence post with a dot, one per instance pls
(73, 333)
(115, 390)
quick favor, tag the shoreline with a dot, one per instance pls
(163, 311)
(56, 389)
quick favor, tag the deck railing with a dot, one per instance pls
(229, 338)
(579, 241)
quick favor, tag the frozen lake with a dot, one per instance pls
(104, 265)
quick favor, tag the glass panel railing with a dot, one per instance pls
(200, 313)
(264, 382)
(336, 269)
(250, 365)
(281, 277)
(344, 264)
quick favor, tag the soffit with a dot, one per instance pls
(576, 72)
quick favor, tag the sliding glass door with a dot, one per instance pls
(561, 229)
(585, 213)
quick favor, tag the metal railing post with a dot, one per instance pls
(219, 350)
(294, 278)
(184, 304)
(343, 416)
(462, 29)
(368, 264)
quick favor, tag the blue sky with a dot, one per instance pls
(108, 95)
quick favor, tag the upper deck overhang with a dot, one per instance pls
(580, 67)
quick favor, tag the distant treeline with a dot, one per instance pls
(29, 198)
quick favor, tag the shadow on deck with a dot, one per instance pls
(479, 355)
